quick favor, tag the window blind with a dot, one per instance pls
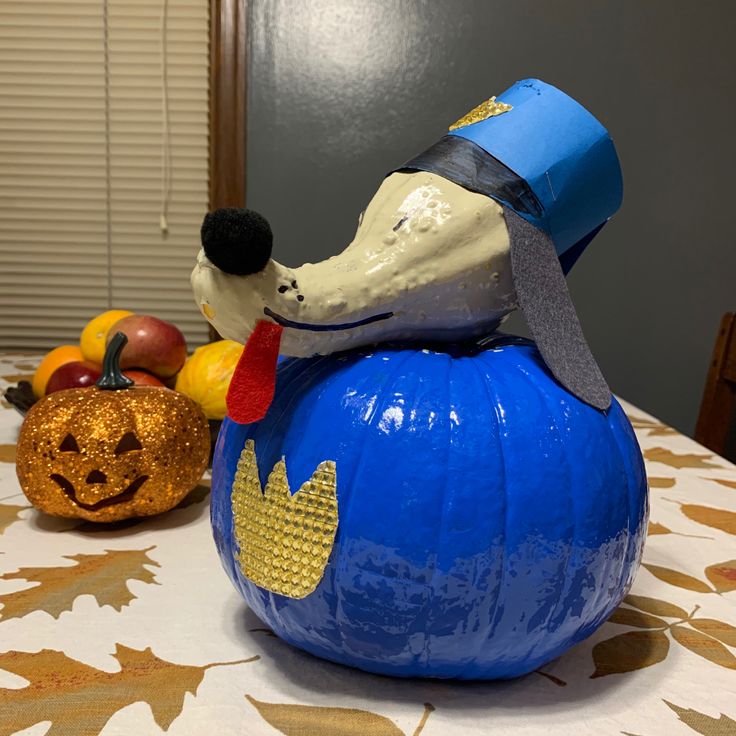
(103, 133)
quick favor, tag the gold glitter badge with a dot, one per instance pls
(285, 541)
(485, 110)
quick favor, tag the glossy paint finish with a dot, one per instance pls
(488, 520)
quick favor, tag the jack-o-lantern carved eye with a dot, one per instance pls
(128, 443)
(69, 444)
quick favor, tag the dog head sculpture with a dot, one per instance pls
(488, 219)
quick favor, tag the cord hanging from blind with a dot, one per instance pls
(108, 193)
(165, 142)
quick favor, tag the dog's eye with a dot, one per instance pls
(400, 223)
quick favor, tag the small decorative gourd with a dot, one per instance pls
(206, 376)
(111, 451)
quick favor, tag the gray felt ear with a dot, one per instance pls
(543, 297)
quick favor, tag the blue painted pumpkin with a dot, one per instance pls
(487, 519)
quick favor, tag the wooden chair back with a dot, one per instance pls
(716, 418)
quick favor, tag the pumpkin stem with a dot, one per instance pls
(112, 377)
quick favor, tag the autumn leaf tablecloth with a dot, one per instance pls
(134, 629)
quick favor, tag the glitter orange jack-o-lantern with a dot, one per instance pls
(111, 451)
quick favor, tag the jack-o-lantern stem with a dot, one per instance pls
(112, 377)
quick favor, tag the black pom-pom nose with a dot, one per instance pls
(237, 241)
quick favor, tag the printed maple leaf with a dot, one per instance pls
(700, 722)
(722, 576)
(17, 377)
(7, 453)
(635, 650)
(654, 428)
(8, 514)
(655, 482)
(312, 720)
(655, 529)
(79, 699)
(720, 519)
(675, 460)
(703, 724)
(723, 482)
(677, 578)
(104, 576)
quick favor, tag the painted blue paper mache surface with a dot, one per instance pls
(412, 492)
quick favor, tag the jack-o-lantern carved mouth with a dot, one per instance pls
(127, 495)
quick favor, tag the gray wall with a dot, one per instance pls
(342, 91)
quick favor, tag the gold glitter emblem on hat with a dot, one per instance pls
(285, 541)
(485, 110)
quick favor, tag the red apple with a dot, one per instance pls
(75, 374)
(154, 345)
(141, 378)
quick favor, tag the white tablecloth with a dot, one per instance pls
(135, 628)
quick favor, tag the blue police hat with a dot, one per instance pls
(536, 150)
(554, 169)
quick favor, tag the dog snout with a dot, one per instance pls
(237, 241)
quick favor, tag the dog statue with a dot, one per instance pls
(486, 220)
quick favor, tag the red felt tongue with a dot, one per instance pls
(254, 380)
